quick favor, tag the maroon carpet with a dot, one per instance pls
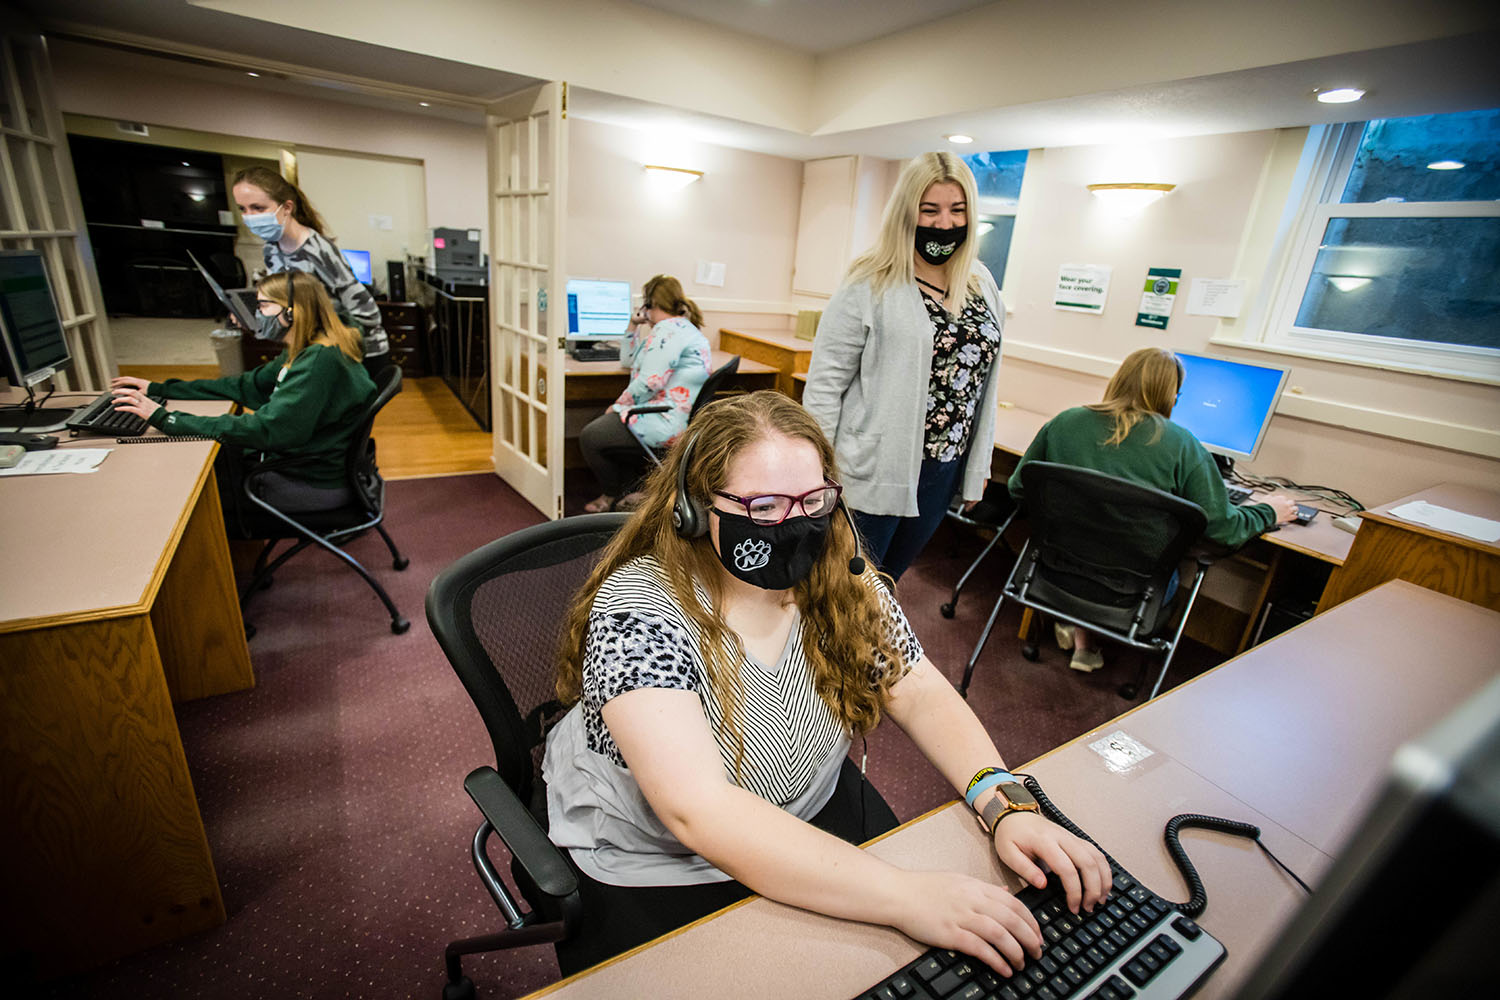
(332, 792)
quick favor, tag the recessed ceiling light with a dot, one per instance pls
(185, 163)
(960, 138)
(1341, 95)
(251, 72)
(423, 104)
(1445, 165)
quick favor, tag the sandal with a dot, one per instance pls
(629, 501)
(600, 504)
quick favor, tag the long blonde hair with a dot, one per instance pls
(843, 619)
(889, 261)
(665, 293)
(1144, 387)
(312, 313)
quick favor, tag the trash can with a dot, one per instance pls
(226, 344)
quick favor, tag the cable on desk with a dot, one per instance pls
(145, 439)
(1328, 494)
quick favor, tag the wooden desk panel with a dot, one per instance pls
(1388, 547)
(781, 349)
(1253, 739)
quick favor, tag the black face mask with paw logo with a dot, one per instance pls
(771, 556)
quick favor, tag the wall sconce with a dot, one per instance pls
(1347, 282)
(1128, 199)
(670, 178)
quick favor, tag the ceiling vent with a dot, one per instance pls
(133, 128)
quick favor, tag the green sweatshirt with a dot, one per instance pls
(1175, 462)
(308, 409)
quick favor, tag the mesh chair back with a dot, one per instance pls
(364, 474)
(1103, 539)
(498, 614)
(713, 385)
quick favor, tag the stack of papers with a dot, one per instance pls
(45, 463)
(1444, 519)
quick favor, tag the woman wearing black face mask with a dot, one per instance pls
(903, 373)
(718, 662)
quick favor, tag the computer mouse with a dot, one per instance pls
(31, 442)
(1348, 522)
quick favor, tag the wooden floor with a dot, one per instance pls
(424, 431)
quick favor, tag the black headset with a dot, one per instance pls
(291, 294)
(690, 518)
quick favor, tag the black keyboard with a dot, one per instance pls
(101, 417)
(603, 353)
(1237, 494)
(1135, 945)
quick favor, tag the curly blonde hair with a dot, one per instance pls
(848, 649)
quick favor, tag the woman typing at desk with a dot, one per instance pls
(718, 662)
(667, 355)
(307, 403)
(1130, 435)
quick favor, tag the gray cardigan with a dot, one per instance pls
(867, 387)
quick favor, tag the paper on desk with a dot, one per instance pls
(42, 463)
(1445, 519)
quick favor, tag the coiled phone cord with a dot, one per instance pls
(1198, 896)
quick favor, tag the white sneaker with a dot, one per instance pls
(1086, 660)
(1064, 635)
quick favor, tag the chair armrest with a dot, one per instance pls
(539, 858)
(648, 408)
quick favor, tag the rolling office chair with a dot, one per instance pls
(327, 529)
(1083, 566)
(497, 613)
(707, 393)
(994, 512)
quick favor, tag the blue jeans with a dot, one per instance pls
(893, 542)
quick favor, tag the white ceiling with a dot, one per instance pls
(1444, 75)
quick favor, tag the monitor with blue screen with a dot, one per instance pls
(597, 310)
(1227, 404)
(359, 263)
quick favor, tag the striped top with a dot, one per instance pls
(639, 637)
(318, 257)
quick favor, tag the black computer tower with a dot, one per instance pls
(395, 279)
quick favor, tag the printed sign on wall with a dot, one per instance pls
(1082, 288)
(1157, 298)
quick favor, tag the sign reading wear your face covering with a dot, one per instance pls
(1082, 288)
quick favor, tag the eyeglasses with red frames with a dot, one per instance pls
(773, 508)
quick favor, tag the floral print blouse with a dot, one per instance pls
(668, 364)
(963, 349)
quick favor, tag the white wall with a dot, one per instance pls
(742, 212)
(348, 190)
(116, 85)
(1055, 359)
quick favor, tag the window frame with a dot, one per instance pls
(1327, 159)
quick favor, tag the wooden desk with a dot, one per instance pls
(1388, 547)
(1252, 740)
(782, 349)
(120, 600)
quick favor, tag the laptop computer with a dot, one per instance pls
(235, 300)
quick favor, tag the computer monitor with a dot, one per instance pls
(359, 263)
(34, 345)
(1227, 404)
(598, 309)
(1410, 905)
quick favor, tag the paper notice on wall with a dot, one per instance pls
(1082, 288)
(226, 218)
(1157, 297)
(711, 272)
(1216, 297)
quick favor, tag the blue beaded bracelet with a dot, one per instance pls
(989, 781)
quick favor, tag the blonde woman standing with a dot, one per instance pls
(903, 373)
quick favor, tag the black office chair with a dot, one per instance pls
(994, 513)
(327, 529)
(1101, 555)
(497, 613)
(707, 393)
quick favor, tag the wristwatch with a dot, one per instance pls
(1010, 796)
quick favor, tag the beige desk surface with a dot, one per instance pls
(1464, 499)
(778, 337)
(95, 545)
(1015, 428)
(575, 367)
(1293, 736)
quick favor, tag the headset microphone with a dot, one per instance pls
(857, 564)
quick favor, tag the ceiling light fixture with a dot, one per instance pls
(960, 138)
(1445, 165)
(251, 72)
(1129, 198)
(670, 178)
(1339, 95)
(423, 104)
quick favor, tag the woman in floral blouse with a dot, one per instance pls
(668, 358)
(903, 368)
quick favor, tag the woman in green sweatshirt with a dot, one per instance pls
(1130, 435)
(307, 403)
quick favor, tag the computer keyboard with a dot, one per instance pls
(1134, 945)
(1237, 494)
(604, 353)
(101, 417)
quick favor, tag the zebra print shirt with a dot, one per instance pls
(638, 637)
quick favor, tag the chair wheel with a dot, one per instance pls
(947, 610)
(461, 990)
(1031, 652)
(399, 625)
(1129, 691)
(401, 563)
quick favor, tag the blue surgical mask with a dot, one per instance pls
(265, 226)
